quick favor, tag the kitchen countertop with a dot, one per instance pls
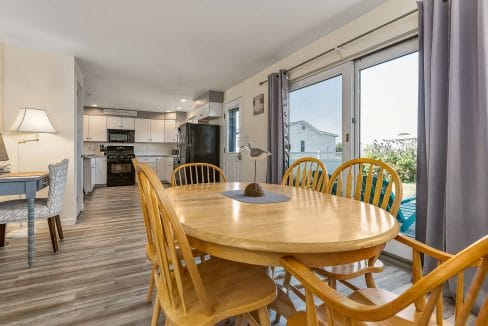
(93, 155)
(154, 155)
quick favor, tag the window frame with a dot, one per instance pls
(382, 56)
(228, 106)
(347, 71)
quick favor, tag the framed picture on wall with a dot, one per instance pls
(258, 104)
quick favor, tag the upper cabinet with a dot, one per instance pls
(149, 131)
(170, 131)
(157, 131)
(143, 130)
(123, 123)
(94, 128)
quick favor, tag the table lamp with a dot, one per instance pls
(4, 165)
(33, 121)
(30, 120)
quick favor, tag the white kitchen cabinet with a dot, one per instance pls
(101, 170)
(168, 168)
(170, 131)
(89, 174)
(94, 128)
(157, 131)
(143, 130)
(123, 123)
(149, 131)
(161, 168)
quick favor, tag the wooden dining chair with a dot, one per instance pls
(421, 304)
(373, 182)
(307, 172)
(203, 294)
(197, 173)
(150, 248)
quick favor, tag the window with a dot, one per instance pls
(319, 116)
(233, 136)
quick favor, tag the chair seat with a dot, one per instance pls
(352, 270)
(16, 210)
(369, 296)
(151, 255)
(233, 289)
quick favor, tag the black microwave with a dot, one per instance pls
(120, 136)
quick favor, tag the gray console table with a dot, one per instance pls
(28, 184)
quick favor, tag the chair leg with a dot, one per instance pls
(332, 283)
(156, 311)
(57, 219)
(151, 284)
(263, 317)
(286, 284)
(3, 229)
(52, 233)
(369, 280)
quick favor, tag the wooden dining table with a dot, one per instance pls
(319, 229)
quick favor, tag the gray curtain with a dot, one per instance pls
(278, 125)
(452, 182)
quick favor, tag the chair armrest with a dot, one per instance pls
(332, 298)
(423, 248)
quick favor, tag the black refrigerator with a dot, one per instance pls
(198, 143)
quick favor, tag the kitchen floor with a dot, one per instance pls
(100, 274)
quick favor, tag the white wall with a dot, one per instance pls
(43, 80)
(255, 127)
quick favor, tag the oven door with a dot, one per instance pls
(120, 173)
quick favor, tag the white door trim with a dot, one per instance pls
(231, 164)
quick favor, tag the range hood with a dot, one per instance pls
(207, 106)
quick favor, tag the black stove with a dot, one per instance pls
(120, 171)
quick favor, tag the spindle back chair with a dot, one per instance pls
(197, 173)
(306, 172)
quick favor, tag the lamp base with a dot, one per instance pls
(253, 190)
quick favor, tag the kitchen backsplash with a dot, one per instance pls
(139, 148)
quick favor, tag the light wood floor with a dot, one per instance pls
(99, 276)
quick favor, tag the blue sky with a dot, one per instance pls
(388, 101)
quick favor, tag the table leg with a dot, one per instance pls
(30, 231)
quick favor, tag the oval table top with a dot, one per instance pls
(310, 222)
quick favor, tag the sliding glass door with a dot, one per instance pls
(386, 104)
(364, 108)
(320, 118)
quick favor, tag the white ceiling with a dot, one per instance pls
(149, 54)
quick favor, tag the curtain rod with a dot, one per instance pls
(347, 42)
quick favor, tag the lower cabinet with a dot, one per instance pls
(94, 172)
(168, 168)
(101, 171)
(162, 165)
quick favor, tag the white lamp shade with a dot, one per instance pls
(33, 120)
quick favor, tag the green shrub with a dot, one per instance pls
(400, 154)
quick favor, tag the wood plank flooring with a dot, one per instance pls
(99, 276)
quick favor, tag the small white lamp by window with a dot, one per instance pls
(32, 120)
